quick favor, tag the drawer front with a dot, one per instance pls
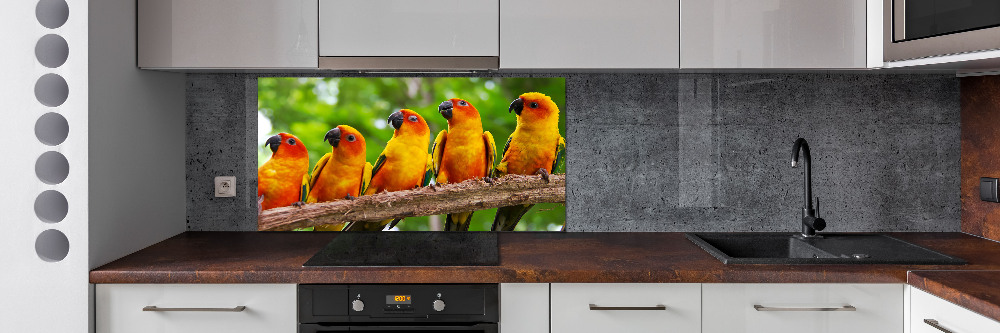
(269, 308)
(729, 308)
(572, 312)
(409, 28)
(948, 315)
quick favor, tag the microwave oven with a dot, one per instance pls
(915, 29)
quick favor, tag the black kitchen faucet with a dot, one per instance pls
(810, 222)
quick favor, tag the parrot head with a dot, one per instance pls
(534, 106)
(405, 121)
(346, 139)
(284, 144)
(457, 109)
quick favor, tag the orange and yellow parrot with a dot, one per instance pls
(342, 173)
(404, 163)
(461, 152)
(280, 179)
(535, 147)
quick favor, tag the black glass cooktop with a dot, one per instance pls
(409, 248)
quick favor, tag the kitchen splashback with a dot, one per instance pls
(682, 152)
(980, 153)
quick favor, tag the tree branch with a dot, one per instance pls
(470, 195)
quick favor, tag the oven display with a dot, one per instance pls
(397, 299)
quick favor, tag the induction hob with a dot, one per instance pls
(409, 248)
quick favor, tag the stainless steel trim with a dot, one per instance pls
(158, 309)
(759, 307)
(963, 42)
(627, 308)
(409, 63)
(934, 323)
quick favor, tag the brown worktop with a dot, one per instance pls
(978, 291)
(277, 257)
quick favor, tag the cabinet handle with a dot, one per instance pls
(233, 309)
(629, 308)
(759, 307)
(935, 324)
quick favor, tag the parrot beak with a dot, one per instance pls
(273, 142)
(396, 119)
(333, 137)
(445, 109)
(516, 106)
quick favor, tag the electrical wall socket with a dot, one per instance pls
(225, 186)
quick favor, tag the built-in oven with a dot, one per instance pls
(927, 28)
(466, 308)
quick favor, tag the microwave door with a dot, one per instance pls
(916, 19)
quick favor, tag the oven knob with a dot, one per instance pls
(438, 305)
(358, 305)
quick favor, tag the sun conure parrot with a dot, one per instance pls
(404, 163)
(342, 173)
(535, 147)
(280, 179)
(461, 152)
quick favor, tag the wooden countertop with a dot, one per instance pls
(277, 257)
(978, 291)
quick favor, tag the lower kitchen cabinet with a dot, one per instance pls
(802, 308)
(930, 314)
(524, 308)
(196, 308)
(625, 307)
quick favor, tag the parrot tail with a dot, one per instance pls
(458, 222)
(507, 217)
(366, 226)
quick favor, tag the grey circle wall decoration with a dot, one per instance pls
(51, 129)
(51, 206)
(51, 90)
(51, 51)
(52, 245)
(52, 13)
(52, 167)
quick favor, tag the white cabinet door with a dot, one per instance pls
(626, 307)
(774, 34)
(947, 315)
(524, 308)
(780, 308)
(409, 28)
(269, 308)
(227, 34)
(589, 34)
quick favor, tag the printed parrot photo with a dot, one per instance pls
(372, 135)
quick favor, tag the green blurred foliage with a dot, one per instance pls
(309, 107)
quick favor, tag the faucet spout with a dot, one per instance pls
(810, 222)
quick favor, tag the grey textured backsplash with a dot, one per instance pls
(682, 152)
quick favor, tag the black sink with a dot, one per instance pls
(788, 248)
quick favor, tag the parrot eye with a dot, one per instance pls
(462, 103)
(350, 138)
(534, 105)
(291, 141)
(413, 118)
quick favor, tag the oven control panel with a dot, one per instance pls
(398, 303)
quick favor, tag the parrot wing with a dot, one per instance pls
(314, 175)
(378, 164)
(304, 189)
(428, 171)
(438, 150)
(491, 152)
(366, 178)
(559, 166)
(501, 168)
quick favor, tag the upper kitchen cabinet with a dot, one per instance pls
(780, 34)
(575, 34)
(406, 34)
(220, 34)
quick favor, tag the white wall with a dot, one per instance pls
(137, 141)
